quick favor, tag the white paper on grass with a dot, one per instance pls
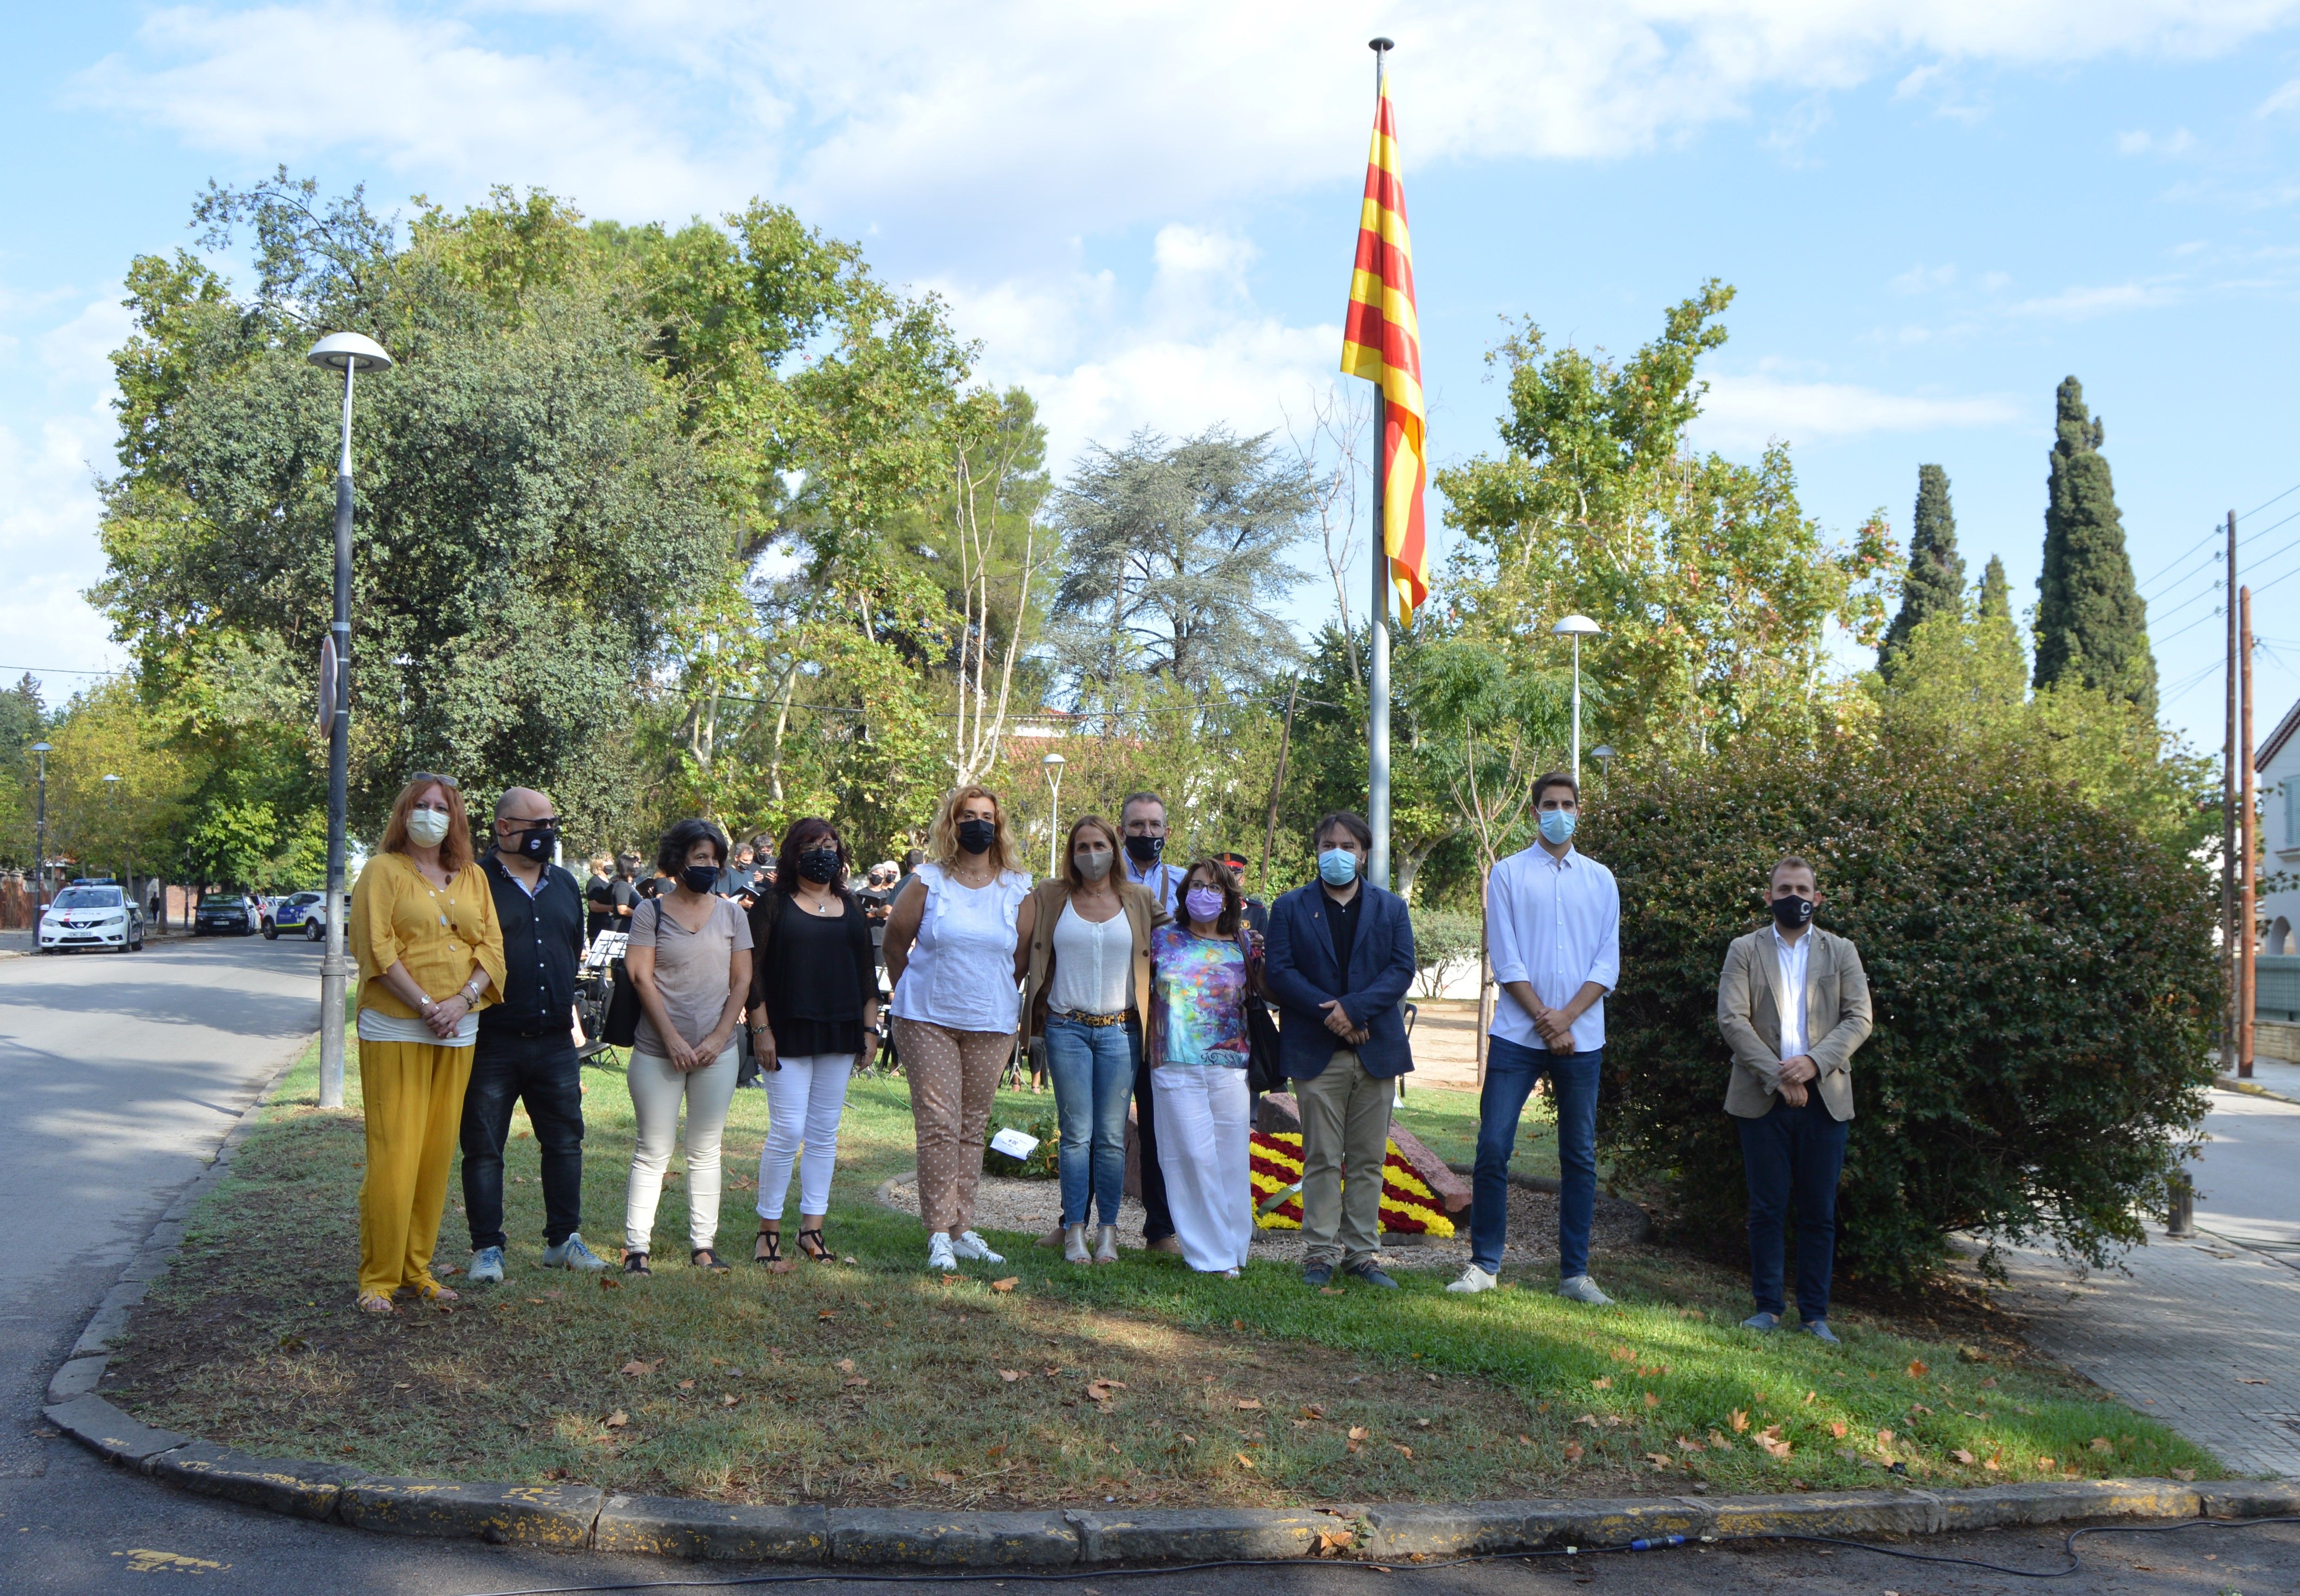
(1015, 1144)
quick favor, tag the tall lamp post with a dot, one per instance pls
(40, 864)
(1054, 763)
(112, 804)
(1576, 627)
(344, 352)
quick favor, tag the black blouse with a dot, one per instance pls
(814, 973)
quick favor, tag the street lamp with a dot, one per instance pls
(40, 864)
(1576, 627)
(344, 352)
(1604, 754)
(1054, 763)
(127, 881)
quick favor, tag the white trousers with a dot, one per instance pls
(804, 1099)
(657, 1091)
(1202, 1148)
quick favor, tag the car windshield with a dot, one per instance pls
(233, 903)
(88, 897)
(303, 898)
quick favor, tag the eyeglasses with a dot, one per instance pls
(431, 775)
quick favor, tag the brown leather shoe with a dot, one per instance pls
(1052, 1238)
(1168, 1243)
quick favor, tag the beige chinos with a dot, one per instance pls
(1345, 1131)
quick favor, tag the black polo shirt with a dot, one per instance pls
(543, 946)
(1342, 922)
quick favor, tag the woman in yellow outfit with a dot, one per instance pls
(422, 922)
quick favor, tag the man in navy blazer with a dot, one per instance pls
(1340, 960)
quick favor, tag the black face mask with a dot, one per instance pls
(819, 865)
(536, 841)
(1792, 912)
(1145, 849)
(699, 878)
(977, 835)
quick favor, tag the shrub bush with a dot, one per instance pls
(2043, 978)
(1444, 940)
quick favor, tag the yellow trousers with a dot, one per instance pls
(414, 1094)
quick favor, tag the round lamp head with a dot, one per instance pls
(338, 350)
(40, 748)
(1053, 761)
(1575, 626)
(1602, 753)
(112, 778)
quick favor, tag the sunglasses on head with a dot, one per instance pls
(431, 775)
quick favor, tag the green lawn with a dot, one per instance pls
(879, 1383)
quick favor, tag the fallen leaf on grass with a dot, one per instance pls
(1716, 1439)
(1421, 1424)
(1769, 1440)
(844, 1366)
(1917, 1407)
(728, 1400)
(618, 1420)
(636, 1368)
(1884, 1440)
(1989, 1383)
(1330, 1291)
(537, 1300)
(1961, 1456)
(946, 1479)
(1010, 1375)
(2043, 1463)
(1313, 1410)
(1602, 1383)
(2184, 1474)
(1359, 1433)
(1653, 1399)
(1687, 1444)
(1574, 1451)
(1249, 1405)
(832, 1313)
(1100, 1390)
(1992, 1466)
(1243, 1461)
(855, 1382)
(1916, 1368)
(608, 1282)
(1407, 1449)
(1739, 1421)
(1811, 1397)
(2101, 1443)
(553, 1296)
(1007, 1285)
(1623, 1355)
(996, 1451)
(1836, 1428)
(686, 1385)
(1658, 1459)
(1587, 1419)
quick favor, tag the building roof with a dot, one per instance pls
(2284, 730)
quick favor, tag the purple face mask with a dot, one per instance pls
(1203, 902)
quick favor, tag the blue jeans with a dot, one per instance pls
(1093, 1066)
(1793, 1155)
(1511, 1070)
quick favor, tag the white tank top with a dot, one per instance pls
(1093, 965)
(961, 973)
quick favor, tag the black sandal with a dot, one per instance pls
(818, 1252)
(704, 1258)
(772, 1241)
(635, 1263)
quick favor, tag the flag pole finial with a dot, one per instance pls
(1378, 45)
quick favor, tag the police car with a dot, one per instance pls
(91, 914)
(291, 912)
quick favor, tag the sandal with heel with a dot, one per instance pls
(818, 1250)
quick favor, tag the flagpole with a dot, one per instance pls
(1377, 681)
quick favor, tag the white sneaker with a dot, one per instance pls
(1582, 1289)
(972, 1246)
(939, 1256)
(1475, 1279)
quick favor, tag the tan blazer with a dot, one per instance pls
(1052, 895)
(1837, 1018)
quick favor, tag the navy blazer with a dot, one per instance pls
(1302, 977)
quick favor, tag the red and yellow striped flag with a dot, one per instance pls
(1381, 341)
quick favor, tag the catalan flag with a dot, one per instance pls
(1381, 341)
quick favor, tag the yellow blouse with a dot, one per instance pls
(440, 934)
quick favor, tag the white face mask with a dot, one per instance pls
(428, 826)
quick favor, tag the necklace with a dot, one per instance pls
(827, 905)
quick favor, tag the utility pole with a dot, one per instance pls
(2250, 845)
(2228, 815)
(1377, 617)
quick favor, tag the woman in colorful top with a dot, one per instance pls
(950, 954)
(1199, 1048)
(422, 922)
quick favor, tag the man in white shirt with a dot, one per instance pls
(1553, 931)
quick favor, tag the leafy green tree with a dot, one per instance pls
(1715, 590)
(1999, 633)
(2091, 625)
(23, 718)
(1934, 584)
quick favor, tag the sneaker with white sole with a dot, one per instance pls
(970, 1245)
(939, 1256)
(1474, 1279)
(572, 1254)
(1582, 1289)
(486, 1267)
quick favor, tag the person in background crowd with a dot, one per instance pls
(1207, 967)
(526, 1049)
(735, 880)
(599, 898)
(1793, 1005)
(421, 921)
(1553, 929)
(1143, 818)
(1341, 957)
(690, 963)
(950, 952)
(815, 1015)
(1082, 950)
(1256, 912)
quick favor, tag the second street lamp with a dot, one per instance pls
(1576, 627)
(1054, 762)
(128, 877)
(345, 351)
(40, 864)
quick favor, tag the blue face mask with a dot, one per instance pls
(1337, 866)
(1557, 825)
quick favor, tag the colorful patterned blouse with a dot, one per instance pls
(1201, 998)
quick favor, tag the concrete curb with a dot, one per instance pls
(584, 1517)
(2228, 1083)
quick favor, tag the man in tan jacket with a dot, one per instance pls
(1793, 1005)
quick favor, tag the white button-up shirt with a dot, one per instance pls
(1555, 923)
(1794, 957)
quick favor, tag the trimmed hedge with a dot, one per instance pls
(2043, 977)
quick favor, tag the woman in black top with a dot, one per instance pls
(814, 1011)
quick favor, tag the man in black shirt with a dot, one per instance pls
(526, 1046)
(599, 895)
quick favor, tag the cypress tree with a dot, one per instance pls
(2091, 625)
(1996, 592)
(1935, 580)
(1997, 638)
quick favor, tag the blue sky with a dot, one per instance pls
(1932, 214)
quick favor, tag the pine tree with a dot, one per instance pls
(1935, 579)
(2091, 625)
(1996, 637)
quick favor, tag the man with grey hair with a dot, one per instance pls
(1143, 818)
(526, 1045)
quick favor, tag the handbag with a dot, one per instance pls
(1263, 1071)
(621, 1027)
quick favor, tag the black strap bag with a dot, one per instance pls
(621, 1028)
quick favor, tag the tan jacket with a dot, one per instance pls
(1051, 896)
(1837, 1018)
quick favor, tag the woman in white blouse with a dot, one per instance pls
(950, 954)
(1083, 946)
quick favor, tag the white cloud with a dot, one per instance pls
(2141, 142)
(1748, 411)
(2081, 302)
(1920, 278)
